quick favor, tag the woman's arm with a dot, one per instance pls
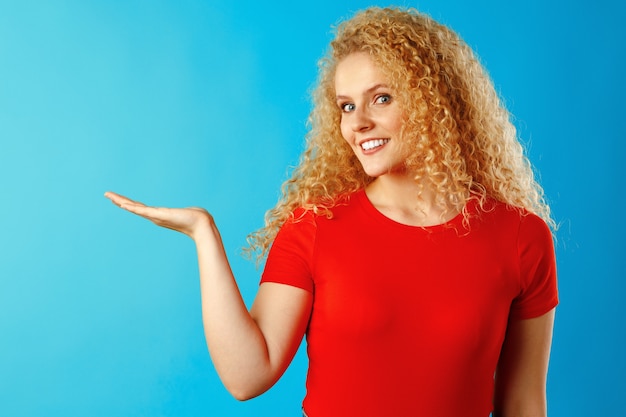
(250, 350)
(522, 369)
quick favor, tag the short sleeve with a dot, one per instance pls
(537, 266)
(289, 258)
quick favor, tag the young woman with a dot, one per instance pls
(411, 246)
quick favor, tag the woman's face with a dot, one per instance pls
(371, 118)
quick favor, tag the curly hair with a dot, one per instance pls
(459, 132)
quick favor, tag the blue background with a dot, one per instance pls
(204, 103)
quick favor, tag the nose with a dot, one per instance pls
(361, 120)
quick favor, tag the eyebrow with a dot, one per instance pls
(368, 91)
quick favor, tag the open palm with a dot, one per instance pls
(184, 220)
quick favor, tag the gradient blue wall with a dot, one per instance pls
(204, 103)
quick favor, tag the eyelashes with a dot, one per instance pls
(347, 107)
(379, 99)
(383, 99)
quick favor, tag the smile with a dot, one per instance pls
(374, 143)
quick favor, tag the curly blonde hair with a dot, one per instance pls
(460, 134)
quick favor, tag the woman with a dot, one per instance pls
(411, 244)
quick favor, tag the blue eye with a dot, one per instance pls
(383, 99)
(348, 107)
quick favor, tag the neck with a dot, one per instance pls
(404, 200)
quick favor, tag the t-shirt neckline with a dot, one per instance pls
(453, 224)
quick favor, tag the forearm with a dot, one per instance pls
(236, 344)
(520, 399)
(537, 409)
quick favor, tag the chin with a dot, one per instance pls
(378, 171)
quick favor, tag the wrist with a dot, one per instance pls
(205, 230)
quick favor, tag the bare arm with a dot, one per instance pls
(250, 350)
(523, 367)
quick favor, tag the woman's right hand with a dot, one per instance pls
(250, 350)
(185, 220)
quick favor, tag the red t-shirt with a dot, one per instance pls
(409, 321)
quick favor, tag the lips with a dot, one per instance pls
(371, 144)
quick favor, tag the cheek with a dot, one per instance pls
(397, 123)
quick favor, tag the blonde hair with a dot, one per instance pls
(460, 134)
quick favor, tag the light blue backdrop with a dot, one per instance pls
(204, 103)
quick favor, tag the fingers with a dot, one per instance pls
(115, 198)
(120, 200)
(184, 220)
(131, 205)
(157, 215)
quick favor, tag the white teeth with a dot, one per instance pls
(375, 143)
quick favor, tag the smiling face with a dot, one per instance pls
(371, 119)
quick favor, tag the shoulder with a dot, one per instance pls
(503, 214)
(313, 214)
(530, 239)
(529, 226)
(515, 226)
(301, 224)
